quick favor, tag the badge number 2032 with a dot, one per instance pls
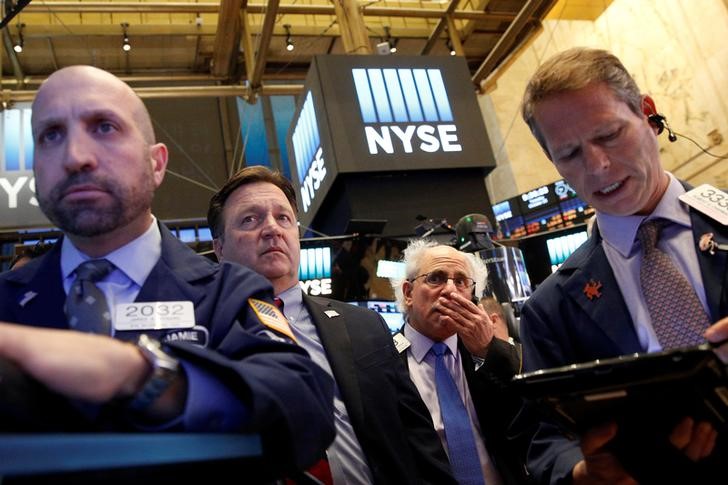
(154, 315)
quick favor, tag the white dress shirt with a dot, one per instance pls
(421, 363)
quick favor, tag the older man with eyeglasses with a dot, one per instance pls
(457, 364)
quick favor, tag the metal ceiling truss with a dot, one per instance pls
(243, 33)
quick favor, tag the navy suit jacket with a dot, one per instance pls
(268, 376)
(390, 420)
(561, 326)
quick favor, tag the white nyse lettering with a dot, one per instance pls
(449, 138)
(31, 186)
(312, 182)
(429, 143)
(12, 190)
(405, 136)
(432, 138)
(374, 139)
(316, 287)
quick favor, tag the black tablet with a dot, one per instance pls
(657, 387)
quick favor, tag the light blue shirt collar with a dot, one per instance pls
(620, 231)
(420, 344)
(292, 298)
(135, 259)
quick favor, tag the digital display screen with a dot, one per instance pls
(561, 247)
(536, 199)
(545, 208)
(389, 312)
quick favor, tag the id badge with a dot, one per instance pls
(154, 315)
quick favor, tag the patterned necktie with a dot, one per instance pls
(461, 447)
(678, 317)
(86, 306)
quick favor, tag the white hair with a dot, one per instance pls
(412, 259)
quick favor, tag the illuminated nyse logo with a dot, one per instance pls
(308, 152)
(16, 177)
(314, 271)
(408, 108)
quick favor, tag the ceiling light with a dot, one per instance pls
(125, 44)
(289, 42)
(392, 41)
(18, 47)
(448, 43)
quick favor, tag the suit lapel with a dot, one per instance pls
(40, 296)
(713, 267)
(336, 341)
(177, 267)
(592, 275)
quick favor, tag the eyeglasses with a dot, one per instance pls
(440, 278)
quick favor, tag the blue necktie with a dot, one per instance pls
(458, 432)
(86, 307)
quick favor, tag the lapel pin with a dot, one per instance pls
(591, 289)
(331, 313)
(29, 295)
(707, 243)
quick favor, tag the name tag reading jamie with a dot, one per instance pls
(710, 201)
(154, 315)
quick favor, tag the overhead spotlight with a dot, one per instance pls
(448, 43)
(125, 44)
(18, 47)
(289, 42)
(390, 40)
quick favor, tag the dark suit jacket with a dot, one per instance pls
(496, 405)
(560, 326)
(390, 420)
(266, 375)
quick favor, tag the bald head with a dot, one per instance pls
(95, 160)
(94, 78)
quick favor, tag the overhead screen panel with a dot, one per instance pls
(402, 113)
(364, 114)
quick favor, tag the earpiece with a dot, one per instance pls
(660, 122)
(657, 120)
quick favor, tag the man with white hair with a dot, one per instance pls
(448, 339)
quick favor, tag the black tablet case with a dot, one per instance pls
(647, 395)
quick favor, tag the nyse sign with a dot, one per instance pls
(316, 287)
(314, 271)
(17, 189)
(18, 203)
(405, 110)
(428, 138)
(308, 153)
(314, 178)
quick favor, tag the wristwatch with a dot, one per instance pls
(164, 370)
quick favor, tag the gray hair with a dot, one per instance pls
(412, 259)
